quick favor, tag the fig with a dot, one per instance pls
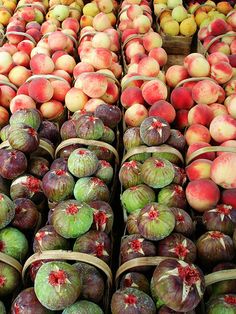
(222, 304)
(108, 135)
(173, 158)
(132, 138)
(131, 301)
(89, 127)
(92, 282)
(104, 171)
(2, 308)
(82, 163)
(140, 156)
(41, 151)
(180, 176)
(154, 131)
(166, 310)
(72, 218)
(30, 116)
(59, 164)
(155, 221)
(225, 286)
(133, 246)
(23, 138)
(102, 153)
(130, 174)
(66, 151)
(135, 280)
(176, 140)
(29, 187)
(47, 238)
(178, 246)
(96, 190)
(38, 166)
(214, 247)
(58, 185)
(83, 307)
(77, 114)
(136, 197)
(222, 218)
(109, 114)
(9, 279)
(27, 303)
(34, 267)
(13, 163)
(68, 129)
(7, 210)
(96, 243)
(132, 222)
(157, 172)
(26, 214)
(13, 243)
(172, 195)
(183, 221)
(103, 216)
(49, 130)
(4, 132)
(178, 284)
(57, 285)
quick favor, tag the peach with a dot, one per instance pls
(231, 19)
(135, 115)
(48, 27)
(4, 116)
(60, 89)
(218, 27)
(112, 93)
(21, 58)
(142, 24)
(152, 40)
(163, 109)
(218, 109)
(101, 40)
(205, 92)
(181, 120)
(94, 85)
(18, 75)
(198, 67)
(197, 133)
(230, 103)
(220, 47)
(71, 23)
(66, 63)
(7, 94)
(232, 60)
(189, 58)
(21, 102)
(58, 54)
(41, 64)
(228, 197)
(216, 57)
(116, 69)
(134, 11)
(9, 48)
(57, 41)
(223, 171)
(176, 74)
(23, 89)
(199, 169)
(62, 74)
(101, 58)
(153, 91)
(223, 128)
(40, 50)
(148, 66)
(221, 72)
(224, 7)
(82, 67)
(196, 146)
(201, 114)
(134, 49)
(75, 99)
(221, 96)
(159, 54)
(101, 22)
(230, 143)
(233, 47)
(51, 109)
(203, 33)
(202, 194)
(92, 104)
(6, 62)
(230, 87)
(40, 89)
(130, 96)
(181, 98)
(35, 34)
(86, 20)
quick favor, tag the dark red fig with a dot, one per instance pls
(102, 216)
(176, 140)
(68, 129)
(48, 130)
(66, 151)
(183, 222)
(180, 176)
(26, 214)
(132, 222)
(110, 115)
(13, 163)
(135, 280)
(154, 131)
(59, 164)
(38, 166)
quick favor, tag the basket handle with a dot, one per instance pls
(68, 35)
(209, 150)
(10, 261)
(195, 79)
(73, 141)
(202, 6)
(131, 37)
(92, 33)
(21, 34)
(153, 149)
(69, 255)
(221, 275)
(229, 34)
(46, 76)
(137, 78)
(2, 82)
(33, 5)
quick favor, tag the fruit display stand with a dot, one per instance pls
(80, 258)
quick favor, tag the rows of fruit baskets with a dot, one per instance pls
(99, 92)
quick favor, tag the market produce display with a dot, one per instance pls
(117, 157)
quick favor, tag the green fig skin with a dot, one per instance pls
(83, 307)
(223, 304)
(130, 174)
(7, 210)
(104, 171)
(9, 279)
(108, 135)
(172, 195)
(89, 127)
(23, 138)
(2, 308)
(31, 117)
(57, 285)
(132, 138)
